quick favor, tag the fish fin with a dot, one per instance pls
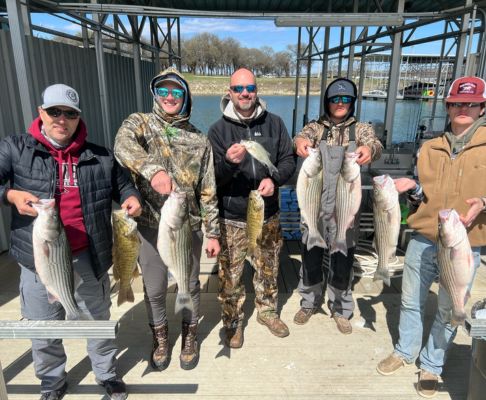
(316, 240)
(45, 249)
(77, 280)
(382, 275)
(183, 300)
(458, 318)
(116, 275)
(136, 272)
(79, 316)
(125, 294)
(51, 299)
(273, 170)
(171, 234)
(339, 246)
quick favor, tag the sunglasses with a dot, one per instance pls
(341, 99)
(164, 92)
(468, 105)
(56, 112)
(241, 88)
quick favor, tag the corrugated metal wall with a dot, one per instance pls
(52, 62)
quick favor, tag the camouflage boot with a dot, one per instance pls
(189, 348)
(160, 358)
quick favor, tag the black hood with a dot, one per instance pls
(332, 85)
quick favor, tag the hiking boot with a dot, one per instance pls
(189, 349)
(57, 394)
(391, 364)
(234, 335)
(343, 324)
(274, 324)
(115, 388)
(302, 316)
(160, 357)
(428, 384)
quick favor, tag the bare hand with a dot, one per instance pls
(404, 184)
(301, 145)
(236, 153)
(267, 187)
(476, 206)
(132, 206)
(161, 183)
(364, 155)
(213, 248)
(23, 202)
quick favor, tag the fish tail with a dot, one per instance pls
(339, 246)
(125, 294)
(183, 300)
(383, 275)
(273, 170)
(458, 318)
(78, 315)
(316, 240)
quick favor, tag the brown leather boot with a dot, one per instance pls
(234, 335)
(189, 348)
(274, 324)
(160, 357)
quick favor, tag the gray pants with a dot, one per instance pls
(337, 279)
(155, 277)
(93, 298)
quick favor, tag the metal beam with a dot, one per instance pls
(19, 46)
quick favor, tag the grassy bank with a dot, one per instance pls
(218, 85)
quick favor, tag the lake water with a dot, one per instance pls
(408, 116)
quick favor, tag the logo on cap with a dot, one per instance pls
(467, 88)
(341, 87)
(71, 95)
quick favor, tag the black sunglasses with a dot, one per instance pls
(56, 112)
(241, 88)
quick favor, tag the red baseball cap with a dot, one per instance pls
(469, 89)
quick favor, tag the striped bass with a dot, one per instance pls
(52, 257)
(456, 262)
(126, 246)
(174, 244)
(258, 152)
(255, 214)
(386, 219)
(309, 191)
(348, 200)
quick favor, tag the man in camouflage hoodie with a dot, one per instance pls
(164, 151)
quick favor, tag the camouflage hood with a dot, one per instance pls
(230, 113)
(173, 75)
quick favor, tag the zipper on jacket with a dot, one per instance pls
(248, 130)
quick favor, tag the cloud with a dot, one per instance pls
(192, 26)
(71, 28)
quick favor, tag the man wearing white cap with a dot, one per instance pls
(55, 161)
(451, 175)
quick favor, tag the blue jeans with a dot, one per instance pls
(419, 272)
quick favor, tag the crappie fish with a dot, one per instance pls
(386, 219)
(174, 244)
(52, 257)
(258, 152)
(309, 190)
(126, 246)
(456, 262)
(255, 215)
(348, 200)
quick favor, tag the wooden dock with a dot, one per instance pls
(314, 362)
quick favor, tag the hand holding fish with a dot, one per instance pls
(404, 184)
(476, 206)
(301, 145)
(23, 201)
(213, 248)
(364, 155)
(161, 183)
(132, 206)
(236, 153)
(266, 187)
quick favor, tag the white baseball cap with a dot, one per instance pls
(60, 95)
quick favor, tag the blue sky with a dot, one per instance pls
(252, 33)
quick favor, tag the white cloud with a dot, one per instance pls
(193, 26)
(71, 28)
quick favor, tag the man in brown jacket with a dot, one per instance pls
(451, 172)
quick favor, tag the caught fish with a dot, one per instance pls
(52, 257)
(386, 219)
(126, 246)
(174, 244)
(456, 262)
(258, 152)
(348, 200)
(309, 190)
(255, 215)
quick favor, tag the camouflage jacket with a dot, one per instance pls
(148, 143)
(339, 134)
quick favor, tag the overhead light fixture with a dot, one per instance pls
(363, 19)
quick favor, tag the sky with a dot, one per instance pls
(251, 33)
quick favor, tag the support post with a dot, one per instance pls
(297, 73)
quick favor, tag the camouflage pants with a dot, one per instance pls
(234, 244)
